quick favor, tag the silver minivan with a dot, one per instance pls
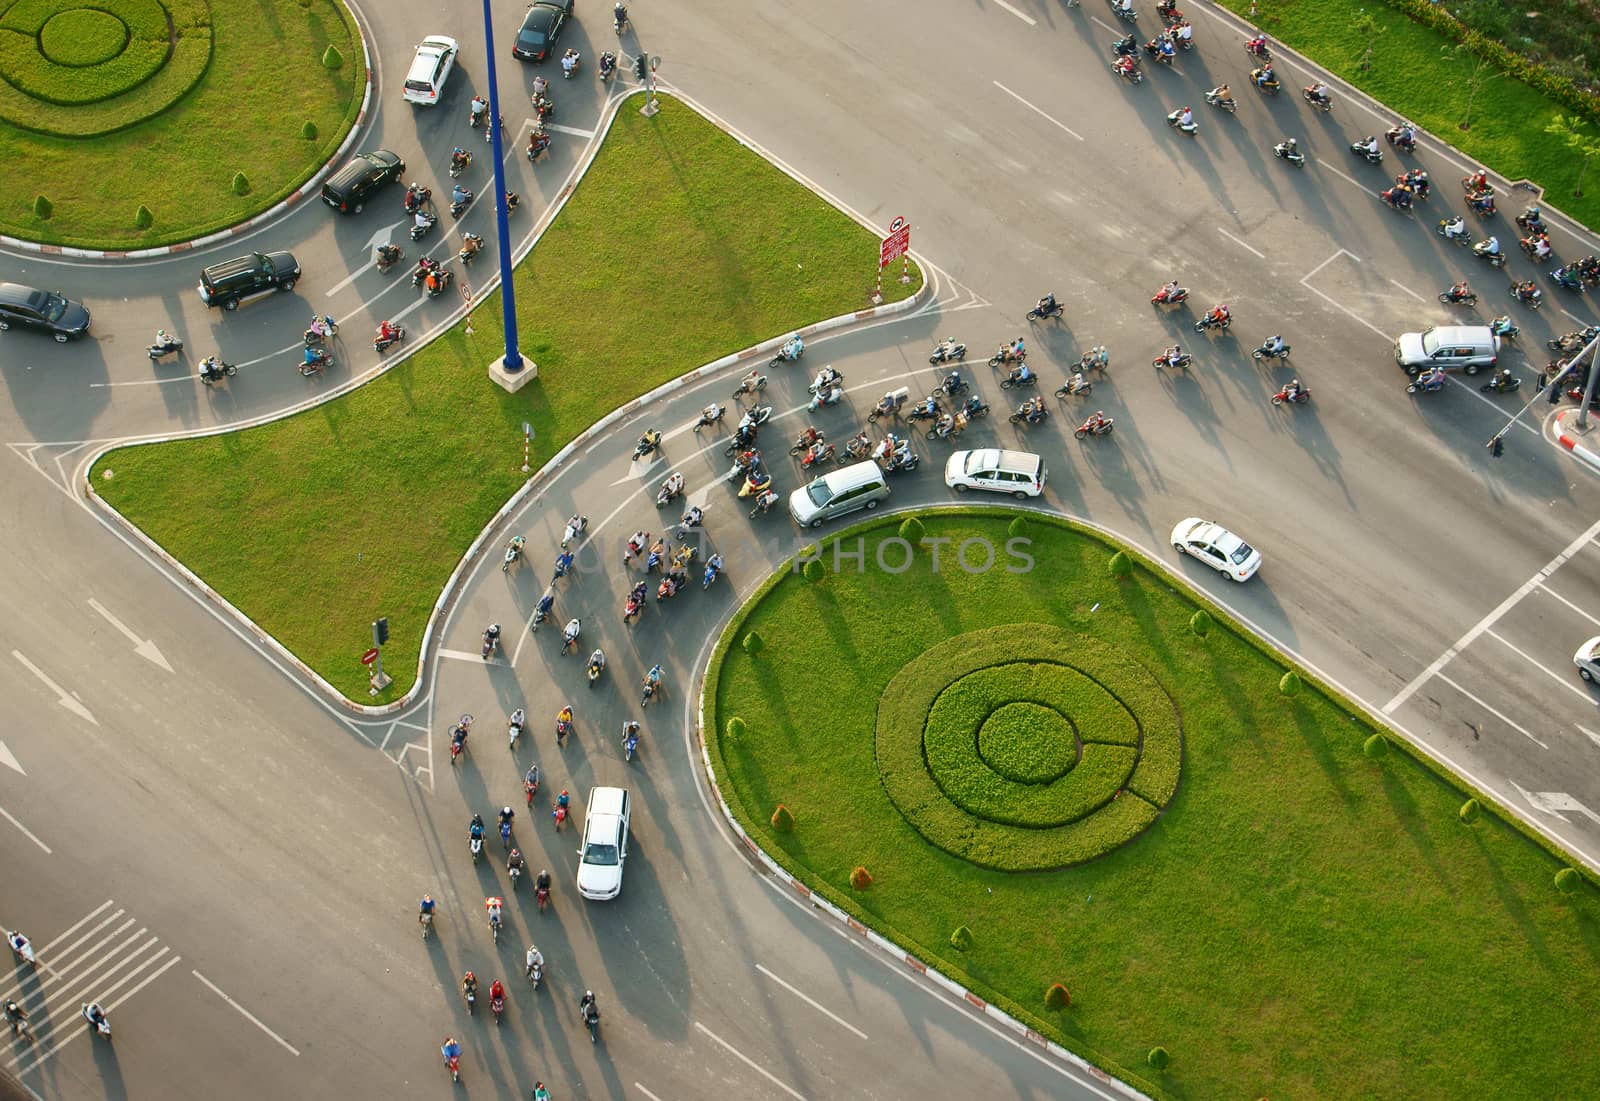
(860, 485)
(1450, 347)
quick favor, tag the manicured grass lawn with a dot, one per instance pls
(262, 81)
(1410, 74)
(1302, 921)
(678, 247)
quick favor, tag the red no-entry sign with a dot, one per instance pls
(370, 656)
(897, 244)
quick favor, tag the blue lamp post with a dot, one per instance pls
(512, 362)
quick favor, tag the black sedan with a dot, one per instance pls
(46, 311)
(540, 29)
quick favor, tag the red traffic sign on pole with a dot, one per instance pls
(897, 244)
(370, 656)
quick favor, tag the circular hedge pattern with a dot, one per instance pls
(77, 68)
(1025, 748)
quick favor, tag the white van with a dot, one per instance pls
(1451, 347)
(859, 485)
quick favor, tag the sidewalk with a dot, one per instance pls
(1582, 442)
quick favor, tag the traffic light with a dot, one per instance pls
(1496, 446)
(380, 631)
(640, 67)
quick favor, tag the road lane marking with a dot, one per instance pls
(63, 697)
(38, 1052)
(463, 655)
(1341, 252)
(750, 1063)
(144, 647)
(1519, 728)
(1036, 110)
(1241, 244)
(573, 130)
(819, 1007)
(251, 1017)
(1551, 673)
(1593, 737)
(1489, 620)
(1351, 314)
(29, 835)
(1024, 16)
(1408, 290)
(646, 1092)
(1346, 177)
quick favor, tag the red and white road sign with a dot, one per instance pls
(897, 244)
(370, 656)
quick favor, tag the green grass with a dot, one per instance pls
(678, 247)
(218, 104)
(1412, 74)
(1301, 921)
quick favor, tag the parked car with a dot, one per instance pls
(430, 68)
(31, 308)
(540, 29)
(1217, 547)
(605, 844)
(230, 282)
(348, 189)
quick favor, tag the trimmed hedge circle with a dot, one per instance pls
(1024, 748)
(83, 36)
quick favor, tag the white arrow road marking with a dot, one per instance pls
(63, 697)
(144, 647)
(573, 130)
(637, 469)
(382, 237)
(9, 759)
(1554, 802)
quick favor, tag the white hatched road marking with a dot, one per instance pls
(1502, 716)
(1551, 673)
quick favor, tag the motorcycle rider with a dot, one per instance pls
(459, 195)
(1257, 45)
(497, 993)
(475, 827)
(1125, 47)
(480, 107)
(569, 63)
(1293, 391)
(17, 1016)
(1482, 202)
(1455, 227)
(569, 634)
(1405, 136)
(1264, 77)
(1047, 305)
(1019, 374)
(1183, 117)
(563, 723)
(1431, 379)
(534, 957)
(1169, 292)
(1033, 409)
(541, 886)
(1220, 94)
(1478, 181)
(1184, 33)
(459, 159)
(1124, 8)
(1288, 148)
(1319, 95)
(1491, 247)
(1124, 66)
(597, 660)
(425, 909)
(1172, 355)
(1367, 146)
(96, 1016)
(388, 254)
(1273, 346)
(1460, 290)
(1218, 315)
(809, 437)
(589, 1009)
(630, 727)
(211, 369)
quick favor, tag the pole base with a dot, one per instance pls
(512, 381)
(650, 108)
(379, 683)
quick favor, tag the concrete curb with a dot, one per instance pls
(1571, 442)
(476, 550)
(309, 188)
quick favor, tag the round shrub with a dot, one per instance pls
(1200, 623)
(1120, 565)
(1469, 811)
(1056, 996)
(1289, 684)
(782, 820)
(812, 571)
(143, 218)
(1018, 527)
(859, 879)
(308, 129)
(1375, 747)
(1159, 1058)
(961, 939)
(332, 58)
(42, 207)
(912, 531)
(1568, 881)
(735, 728)
(753, 642)
(241, 185)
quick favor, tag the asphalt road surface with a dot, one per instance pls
(231, 866)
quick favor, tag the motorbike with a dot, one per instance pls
(542, 611)
(1430, 385)
(630, 742)
(491, 639)
(397, 333)
(165, 345)
(755, 387)
(948, 351)
(1127, 46)
(1536, 247)
(1075, 386)
(321, 329)
(1053, 310)
(1398, 197)
(1267, 352)
(825, 378)
(1093, 427)
(535, 970)
(476, 845)
(805, 440)
(497, 1006)
(1502, 382)
(439, 285)
(1450, 298)
(1392, 136)
(101, 1023)
(1039, 416)
(1455, 229)
(1095, 359)
(670, 490)
(712, 571)
(425, 920)
(755, 483)
(1477, 185)
(416, 198)
(420, 229)
(1166, 296)
(944, 429)
(790, 352)
(319, 359)
(889, 405)
(1014, 380)
(1567, 276)
(514, 728)
(1288, 150)
(1363, 149)
(1571, 342)
(473, 244)
(213, 370)
(1257, 48)
(1496, 259)
(608, 66)
(575, 527)
(459, 201)
(647, 444)
(1180, 361)
(1320, 102)
(1209, 321)
(764, 503)
(901, 462)
(1128, 69)
(1529, 296)
(927, 409)
(460, 161)
(1127, 15)
(1005, 355)
(952, 385)
(753, 418)
(1268, 86)
(1161, 48)
(388, 256)
(709, 416)
(1227, 103)
(595, 668)
(420, 272)
(1300, 397)
(1502, 326)
(1175, 120)
(815, 457)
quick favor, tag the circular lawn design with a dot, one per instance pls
(77, 68)
(1026, 748)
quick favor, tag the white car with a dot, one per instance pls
(1217, 547)
(430, 69)
(1587, 659)
(605, 844)
(1019, 473)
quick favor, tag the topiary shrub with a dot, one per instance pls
(753, 643)
(1289, 684)
(912, 531)
(859, 879)
(961, 939)
(1120, 565)
(1469, 811)
(1375, 747)
(43, 208)
(735, 728)
(1159, 1058)
(332, 58)
(1018, 527)
(1056, 996)
(782, 820)
(308, 129)
(1568, 881)
(142, 217)
(813, 570)
(1200, 623)
(241, 185)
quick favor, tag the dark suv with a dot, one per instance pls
(348, 189)
(46, 311)
(227, 283)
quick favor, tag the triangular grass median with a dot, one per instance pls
(678, 247)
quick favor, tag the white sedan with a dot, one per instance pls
(1217, 547)
(430, 68)
(1587, 659)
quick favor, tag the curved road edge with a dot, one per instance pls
(271, 214)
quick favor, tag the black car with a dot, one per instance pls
(348, 189)
(540, 29)
(47, 311)
(231, 281)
